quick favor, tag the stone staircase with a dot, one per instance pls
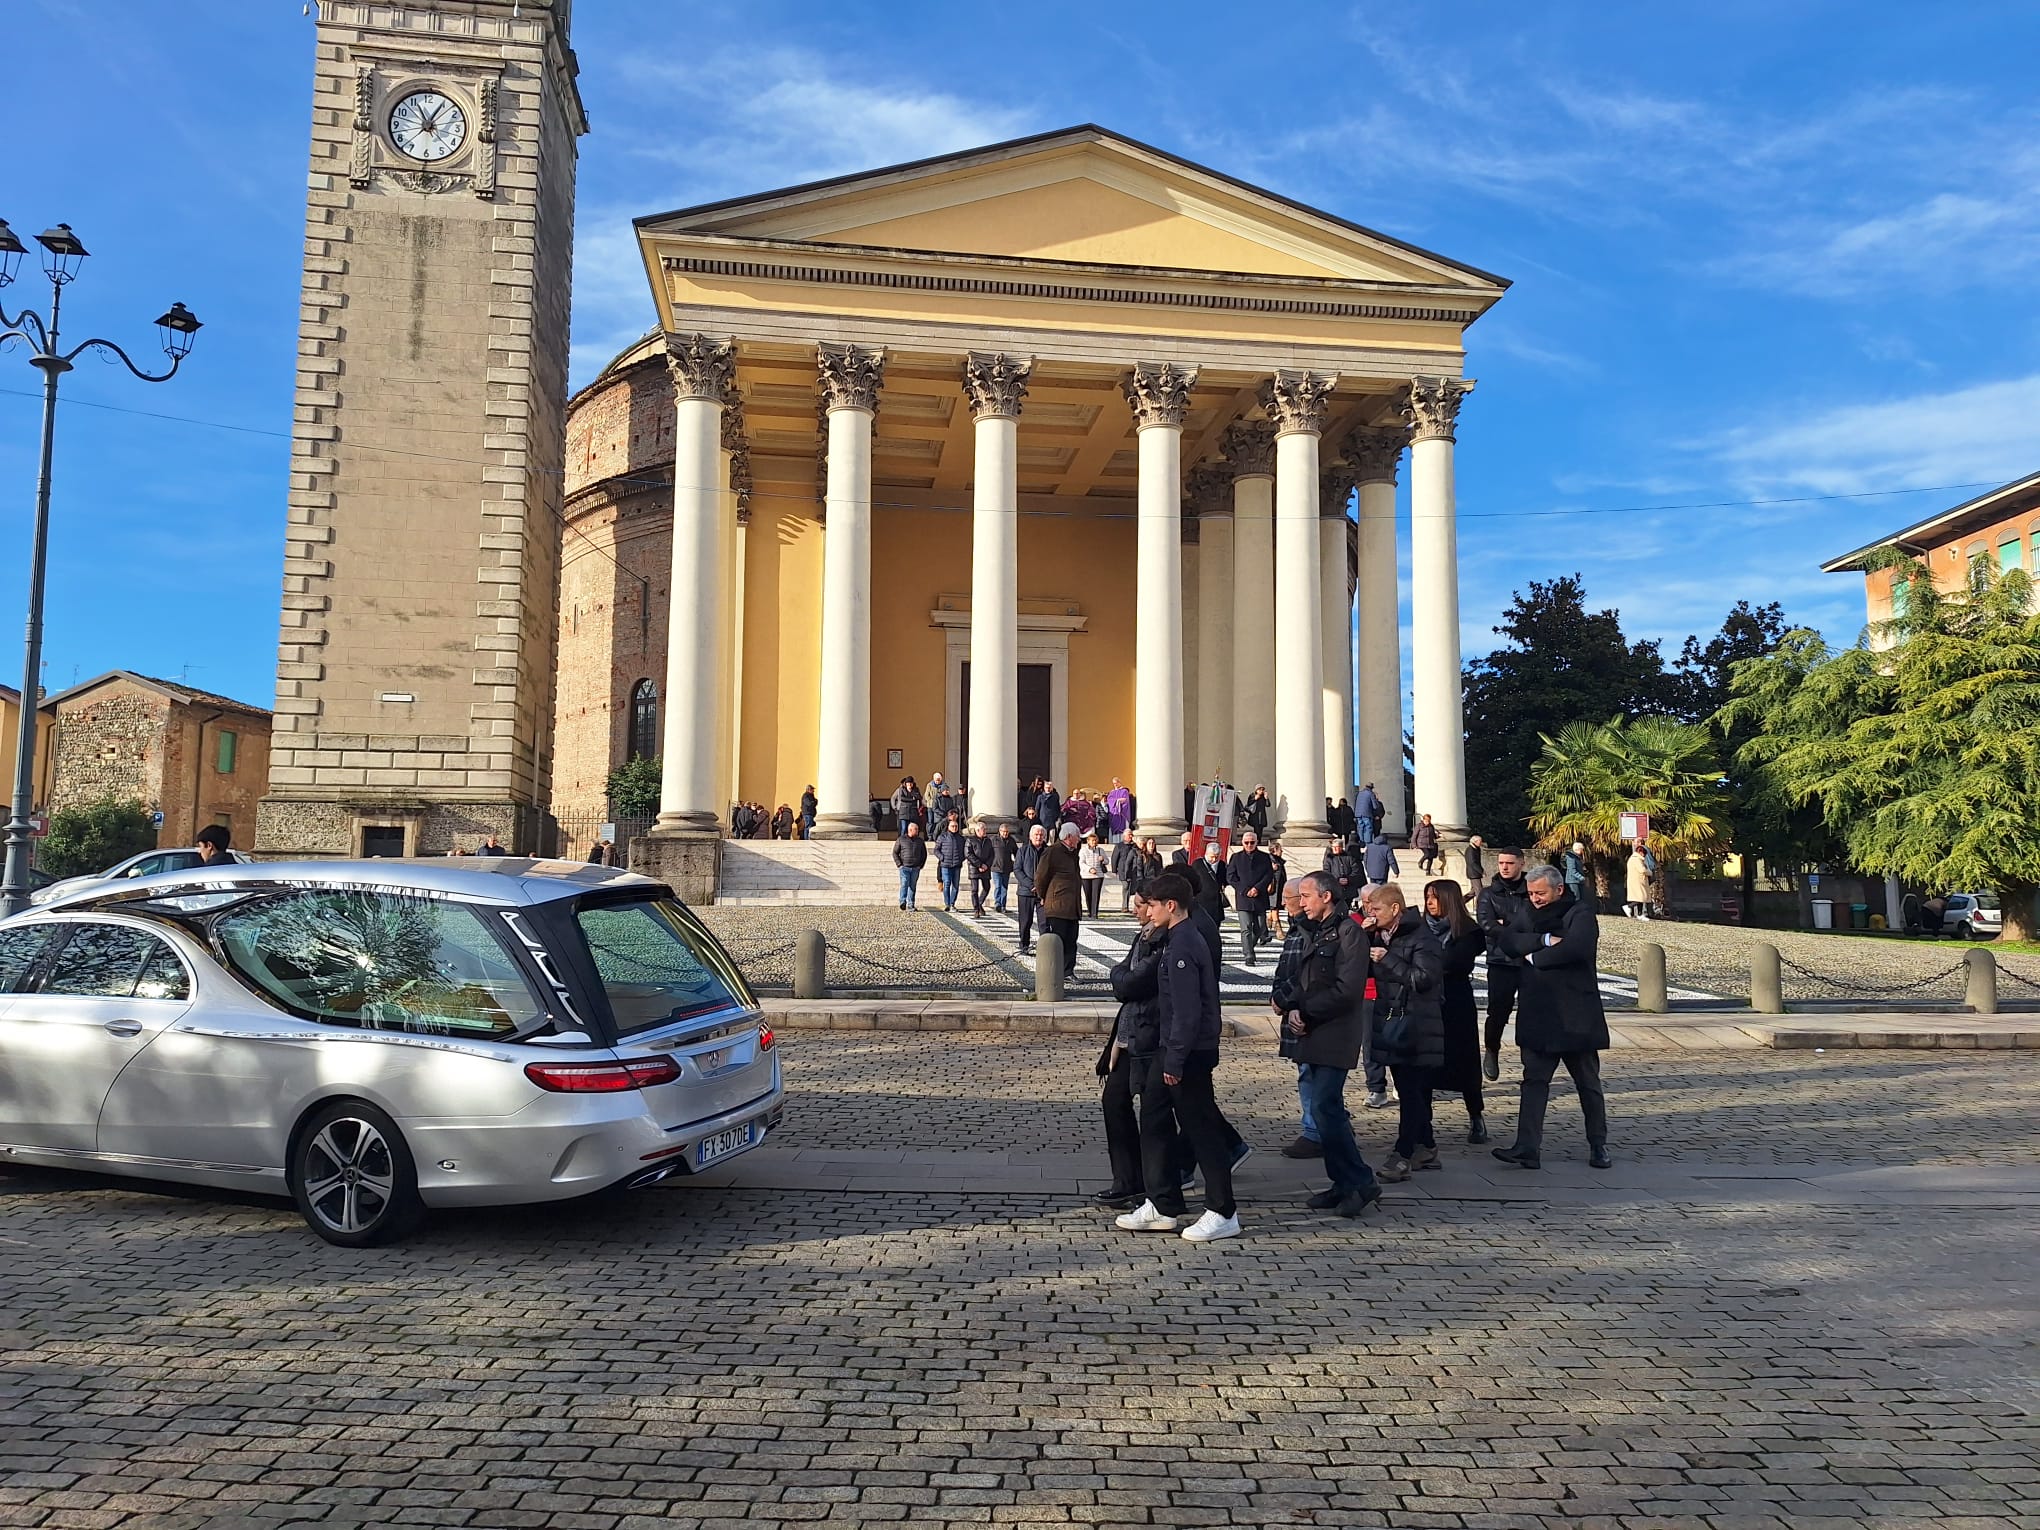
(830, 872)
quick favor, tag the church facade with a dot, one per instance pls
(1060, 457)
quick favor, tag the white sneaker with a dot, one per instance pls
(1144, 1218)
(1210, 1227)
(1378, 1100)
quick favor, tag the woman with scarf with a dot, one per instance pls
(1408, 962)
(1446, 913)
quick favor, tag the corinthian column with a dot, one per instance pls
(1437, 705)
(1249, 449)
(1377, 665)
(1295, 401)
(850, 380)
(995, 384)
(1159, 393)
(1335, 487)
(1211, 491)
(704, 378)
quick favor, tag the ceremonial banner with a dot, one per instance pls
(1217, 805)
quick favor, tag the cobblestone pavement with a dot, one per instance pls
(693, 1357)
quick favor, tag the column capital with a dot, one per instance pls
(1296, 400)
(1159, 392)
(1375, 452)
(851, 376)
(1432, 407)
(995, 382)
(1209, 491)
(1249, 449)
(702, 367)
(1335, 487)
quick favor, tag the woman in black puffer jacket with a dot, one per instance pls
(1408, 962)
(1136, 985)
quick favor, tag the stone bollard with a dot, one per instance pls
(1048, 969)
(1650, 981)
(810, 965)
(1982, 981)
(1767, 984)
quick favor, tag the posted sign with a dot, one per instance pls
(1635, 826)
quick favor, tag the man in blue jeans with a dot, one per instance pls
(949, 853)
(910, 854)
(1325, 1008)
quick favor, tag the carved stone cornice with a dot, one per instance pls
(1249, 449)
(741, 482)
(995, 383)
(1209, 491)
(733, 423)
(1159, 392)
(1296, 401)
(851, 376)
(1375, 452)
(1335, 488)
(702, 367)
(1432, 407)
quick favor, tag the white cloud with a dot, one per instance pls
(1985, 433)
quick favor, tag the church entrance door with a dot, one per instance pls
(1035, 737)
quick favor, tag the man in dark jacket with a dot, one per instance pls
(949, 855)
(1295, 941)
(978, 855)
(910, 854)
(1177, 1087)
(1005, 850)
(1026, 861)
(1257, 810)
(1059, 889)
(1368, 815)
(1499, 905)
(810, 806)
(1207, 882)
(1048, 807)
(1324, 1005)
(1562, 1019)
(1136, 1036)
(942, 802)
(1250, 874)
(1476, 868)
(1378, 860)
(1343, 867)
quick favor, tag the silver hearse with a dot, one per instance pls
(377, 1037)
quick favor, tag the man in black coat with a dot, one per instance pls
(1025, 861)
(1324, 1004)
(1048, 808)
(1343, 867)
(1250, 874)
(1257, 810)
(979, 853)
(910, 854)
(1207, 882)
(810, 806)
(1135, 1037)
(1005, 850)
(1499, 904)
(1378, 862)
(1561, 1019)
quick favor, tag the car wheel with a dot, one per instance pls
(1964, 932)
(352, 1176)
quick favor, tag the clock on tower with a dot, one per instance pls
(415, 665)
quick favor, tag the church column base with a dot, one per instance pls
(843, 826)
(689, 863)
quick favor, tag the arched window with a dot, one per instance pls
(2008, 552)
(644, 720)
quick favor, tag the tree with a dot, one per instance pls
(1591, 774)
(633, 788)
(1560, 664)
(84, 841)
(1700, 684)
(1922, 757)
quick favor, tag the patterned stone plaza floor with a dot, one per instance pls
(1689, 1349)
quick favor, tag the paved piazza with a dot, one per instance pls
(1804, 1297)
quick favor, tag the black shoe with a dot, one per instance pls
(1491, 1065)
(1027, 950)
(1599, 1159)
(1116, 1199)
(1522, 1158)
(1358, 1201)
(1476, 1132)
(1303, 1147)
(1326, 1200)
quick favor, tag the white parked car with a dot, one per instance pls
(378, 1037)
(1974, 916)
(147, 864)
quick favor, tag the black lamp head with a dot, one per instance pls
(63, 251)
(11, 251)
(179, 326)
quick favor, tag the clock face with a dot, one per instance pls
(427, 126)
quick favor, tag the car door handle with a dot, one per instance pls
(124, 1027)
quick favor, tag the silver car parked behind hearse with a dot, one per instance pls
(376, 1037)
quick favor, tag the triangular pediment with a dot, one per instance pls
(1082, 195)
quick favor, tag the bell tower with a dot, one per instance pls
(414, 672)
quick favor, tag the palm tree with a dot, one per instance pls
(1592, 773)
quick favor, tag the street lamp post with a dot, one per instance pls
(63, 253)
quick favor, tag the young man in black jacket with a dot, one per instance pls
(1501, 903)
(1325, 1020)
(1176, 1086)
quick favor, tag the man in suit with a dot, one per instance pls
(1249, 874)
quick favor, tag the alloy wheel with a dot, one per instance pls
(349, 1175)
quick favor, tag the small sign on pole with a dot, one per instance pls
(608, 833)
(1635, 826)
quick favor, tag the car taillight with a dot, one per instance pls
(766, 1039)
(602, 1078)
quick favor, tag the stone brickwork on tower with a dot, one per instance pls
(415, 666)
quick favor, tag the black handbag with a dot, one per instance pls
(1392, 1035)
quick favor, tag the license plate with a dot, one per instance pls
(722, 1144)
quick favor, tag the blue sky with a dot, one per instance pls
(1760, 251)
